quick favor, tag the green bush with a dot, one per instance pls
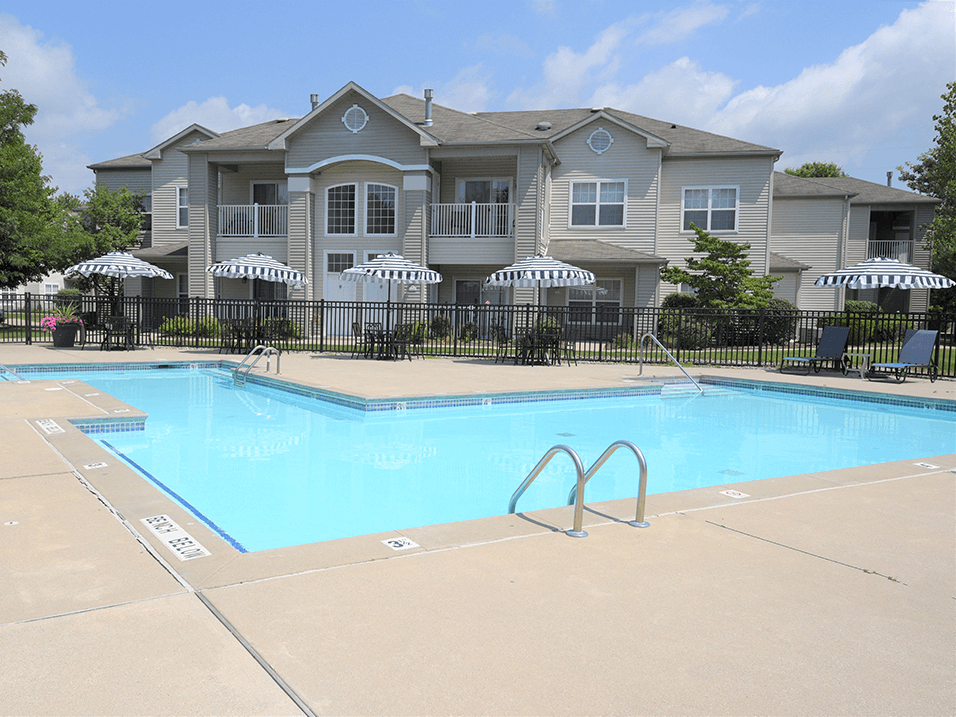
(184, 326)
(469, 331)
(277, 327)
(622, 341)
(779, 322)
(440, 326)
(861, 307)
(680, 301)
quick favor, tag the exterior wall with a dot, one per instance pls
(788, 286)
(236, 187)
(169, 173)
(300, 240)
(629, 159)
(809, 231)
(203, 223)
(858, 235)
(527, 192)
(327, 136)
(136, 180)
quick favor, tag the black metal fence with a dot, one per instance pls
(693, 336)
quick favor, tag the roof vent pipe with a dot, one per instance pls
(889, 179)
(315, 100)
(429, 94)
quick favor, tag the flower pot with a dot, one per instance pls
(64, 335)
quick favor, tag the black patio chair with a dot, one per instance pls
(832, 346)
(917, 352)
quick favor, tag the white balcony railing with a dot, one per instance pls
(891, 249)
(472, 220)
(253, 220)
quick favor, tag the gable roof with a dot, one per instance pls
(860, 191)
(130, 161)
(157, 151)
(280, 141)
(257, 136)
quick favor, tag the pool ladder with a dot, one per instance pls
(640, 371)
(241, 373)
(4, 369)
(576, 496)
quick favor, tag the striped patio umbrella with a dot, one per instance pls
(540, 271)
(119, 265)
(258, 266)
(393, 268)
(883, 272)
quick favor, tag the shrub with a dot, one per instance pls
(469, 331)
(622, 341)
(184, 326)
(780, 322)
(680, 301)
(277, 327)
(440, 326)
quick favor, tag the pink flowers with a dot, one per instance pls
(49, 323)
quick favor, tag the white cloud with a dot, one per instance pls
(567, 72)
(468, 91)
(45, 75)
(871, 92)
(545, 7)
(215, 114)
(680, 91)
(677, 25)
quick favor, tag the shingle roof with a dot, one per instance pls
(130, 161)
(778, 262)
(256, 136)
(574, 250)
(860, 190)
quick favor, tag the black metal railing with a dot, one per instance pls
(695, 337)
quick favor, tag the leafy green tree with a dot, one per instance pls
(817, 169)
(935, 175)
(723, 277)
(29, 215)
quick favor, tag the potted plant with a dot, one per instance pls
(63, 323)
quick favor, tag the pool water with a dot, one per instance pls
(270, 469)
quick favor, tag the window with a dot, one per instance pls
(713, 209)
(355, 118)
(51, 288)
(340, 209)
(270, 193)
(146, 207)
(379, 209)
(600, 141)
(336, 263)
(598, 304)
(598, 203)
(182, 202)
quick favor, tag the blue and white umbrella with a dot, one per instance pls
(540, 271)
(258, 266)
(119, 265)
(393, 268)
(882, 272)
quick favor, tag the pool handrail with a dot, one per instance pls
(576, 531)
(7, 369)
(640, 371)
(259, 351)
(638, 521)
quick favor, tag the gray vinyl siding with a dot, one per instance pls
(809, 231)
(453, 169)
(169, 173)
(327, 136)
(300, 238)
(751, 174)
(627, 159)
(237, 186)
(787, 287)
(203, 223)
(858, 235)
(136, 180)
(526, 195)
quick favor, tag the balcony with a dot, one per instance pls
(473, 220)
(891, 249)
(253, 220)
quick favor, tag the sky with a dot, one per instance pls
(855, 82)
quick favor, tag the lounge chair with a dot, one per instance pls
(917, 352)
(831, 348)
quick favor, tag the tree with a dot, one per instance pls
(817, 169)
(723, 278)
(29, 215)
(935, 175)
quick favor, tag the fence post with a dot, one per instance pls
(760, 336)
(28, 309)
(321, 325)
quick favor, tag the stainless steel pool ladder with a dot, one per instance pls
(576, 496)
(242, 370)
(4, 369)
(641, 369)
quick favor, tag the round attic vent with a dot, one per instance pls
(543, 126)
(600, 140)
(355, 118)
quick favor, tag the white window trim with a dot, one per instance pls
(460, 187)
(365, 212)
(325, 259)
(595, 298)
(710, 194)
(179, 206)
(358, 203)
(280, 183)
(597, 213)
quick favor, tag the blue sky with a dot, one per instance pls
(851, 81)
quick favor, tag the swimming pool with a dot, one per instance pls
(268, 468)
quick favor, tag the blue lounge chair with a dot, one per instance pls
(831, 348)
(917, 352)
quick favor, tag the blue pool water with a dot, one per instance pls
(271, 469)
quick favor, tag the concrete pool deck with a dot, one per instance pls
(830, 593)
